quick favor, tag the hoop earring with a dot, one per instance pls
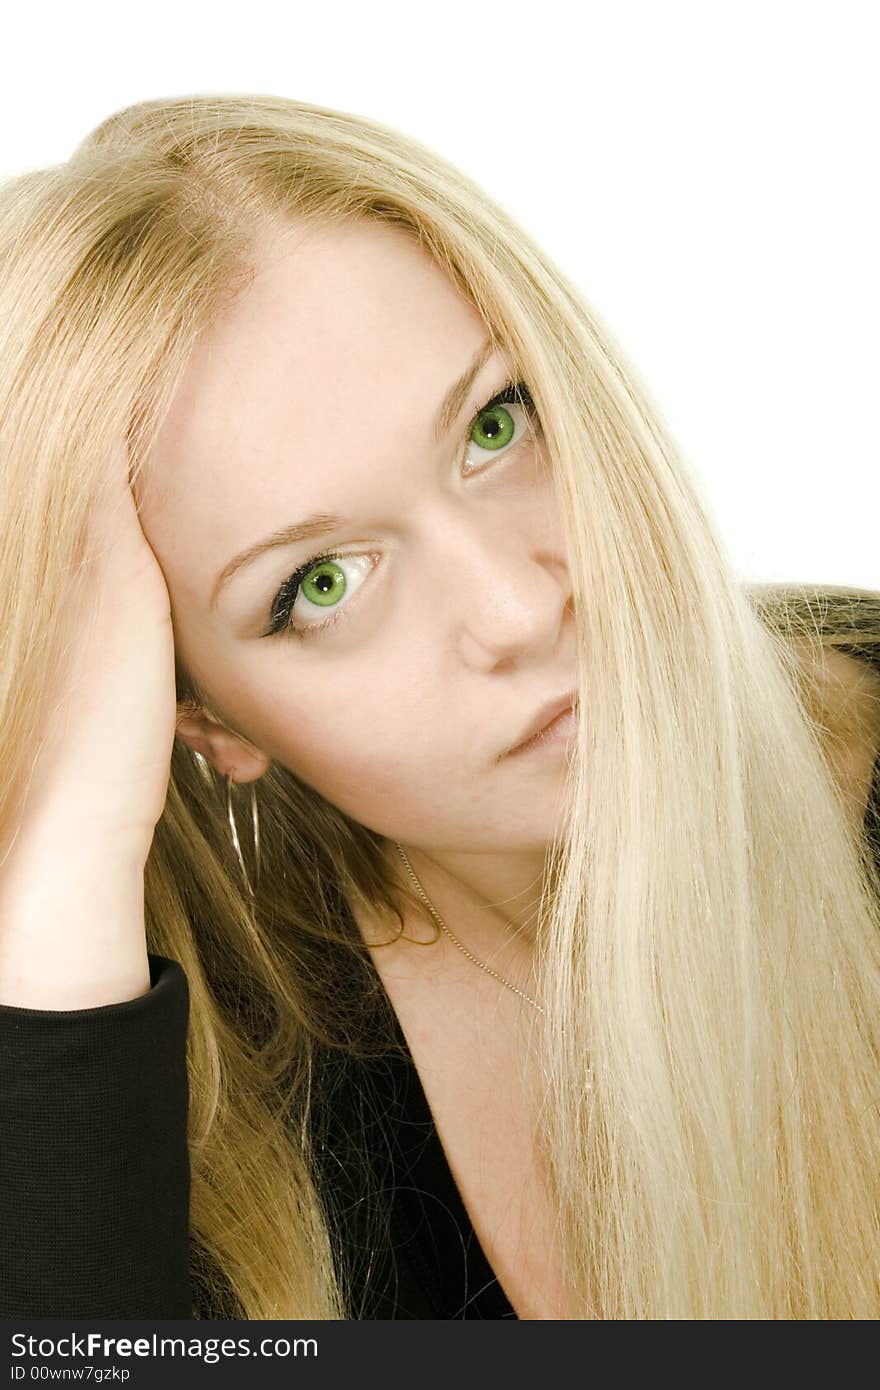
(235, 840)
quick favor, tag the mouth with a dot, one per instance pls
(551, 723)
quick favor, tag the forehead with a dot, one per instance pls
(338, 350)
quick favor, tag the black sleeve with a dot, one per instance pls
(94, 1164)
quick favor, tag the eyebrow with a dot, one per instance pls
(322, 522)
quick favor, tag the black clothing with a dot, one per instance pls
(375, 1124)
(94, 1198)
(95, 1178)
(94, 1168)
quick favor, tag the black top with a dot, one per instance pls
(379, 1147)
(95, 1177)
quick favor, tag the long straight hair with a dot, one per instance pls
(708, 945)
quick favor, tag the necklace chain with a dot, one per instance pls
(436, 915)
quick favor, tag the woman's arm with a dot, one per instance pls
(94, 1165)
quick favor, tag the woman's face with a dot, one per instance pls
(402, 669)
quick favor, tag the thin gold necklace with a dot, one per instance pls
(436, 915)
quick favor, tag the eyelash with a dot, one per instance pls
(513, 393)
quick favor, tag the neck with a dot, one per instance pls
(489, 901)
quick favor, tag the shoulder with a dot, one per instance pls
(851, 708)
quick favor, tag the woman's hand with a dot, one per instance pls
(72, 922)
(103, 767)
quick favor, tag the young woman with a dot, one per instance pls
(432, 885)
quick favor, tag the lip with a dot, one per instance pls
(546, 714)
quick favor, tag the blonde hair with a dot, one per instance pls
(709, 953)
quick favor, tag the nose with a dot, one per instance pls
(507, 595)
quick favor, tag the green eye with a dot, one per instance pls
(494, 428)
(325, 584)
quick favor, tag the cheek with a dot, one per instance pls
(370, 758)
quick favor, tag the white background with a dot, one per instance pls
(706, 173)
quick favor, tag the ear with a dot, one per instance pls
(232, 755)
